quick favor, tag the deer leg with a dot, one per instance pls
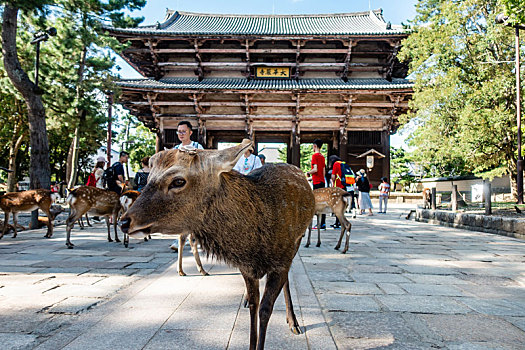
(49, 223)
(70, 222)
(182, 243)
(309, 234)
(348, 228)
(15, 222)
(5, 224)
(87, 221)
(274, 284)
(108, 225)
(115, 221)
(195, 252)
(290, 315)
(318, 231)
(252, 299)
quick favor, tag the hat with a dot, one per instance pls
(101, 159)
(362, 172)
(262, 156)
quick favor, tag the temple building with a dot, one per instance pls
(271, 78)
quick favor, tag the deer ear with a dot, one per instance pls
(224, 160)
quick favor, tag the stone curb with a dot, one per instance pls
(510, 227)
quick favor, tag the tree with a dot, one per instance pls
(463, 104)
(39, 169)
(515, 9)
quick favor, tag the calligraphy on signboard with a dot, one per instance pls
(272, 72)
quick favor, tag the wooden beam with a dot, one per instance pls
(348, 58)
(198, 58)
(156, 69)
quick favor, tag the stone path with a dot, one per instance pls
(403, 285)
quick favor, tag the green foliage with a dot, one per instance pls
(75, 71)
(515, 9)
(141, 142)
(463, 105)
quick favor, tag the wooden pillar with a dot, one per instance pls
(454, 197)
(159, 144)
(487, 193)
(294, 154)
(385, 143)
(343, 146)
(434, 198)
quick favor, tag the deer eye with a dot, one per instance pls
(177, 183)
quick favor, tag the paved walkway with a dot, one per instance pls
(403, 285)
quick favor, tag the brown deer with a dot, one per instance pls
(14, 202)
(427, 198)
(254, 222)
(96, 201)
(331, 200)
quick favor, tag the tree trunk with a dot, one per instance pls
(16, 142)
(40, 172)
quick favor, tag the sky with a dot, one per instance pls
(394, 11)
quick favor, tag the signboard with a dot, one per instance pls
(477, 193)
(369, 162)
(272, 72)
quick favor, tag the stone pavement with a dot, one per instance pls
(402, 285)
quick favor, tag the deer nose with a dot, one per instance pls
(124, 225)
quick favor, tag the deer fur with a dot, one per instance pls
(331, 200)
(14, 202)
(96, 201)
(55, 210)
(254, 222)
(427, 198)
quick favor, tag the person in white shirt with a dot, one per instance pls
(184, 131)
(247, 163)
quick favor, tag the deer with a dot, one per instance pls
(96, 201)
(427, 198)
(332, 200)
(253, 222)
(14, 202)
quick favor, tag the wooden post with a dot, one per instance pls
(385, 142)
(487, 192)
(454, 197)
(434, 199)
(343, 146)
(296, 151)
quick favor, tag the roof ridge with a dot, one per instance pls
(171, 13)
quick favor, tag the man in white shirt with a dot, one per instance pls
(184, 132)
(247, 163)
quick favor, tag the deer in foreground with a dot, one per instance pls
(14, 202)
(96, 201)
(332, 200)
(254, 222)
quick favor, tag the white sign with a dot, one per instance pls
(369, 162)
(477, 193)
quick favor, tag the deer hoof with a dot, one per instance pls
(117, 240)
(337, 247)
(344, 251)
(318, 245)
(145, 239)
(204, 273)
(246, 303)
(296, 330)
(181, 273)
(110, 240)
(307, 245)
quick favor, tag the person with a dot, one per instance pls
(337, 174)
(116, 183)
(318, 172)
(184, 132)
(384, 192)
(247, 163)
(364, 192)
(141, 177)
(262, 157)
(98, 171)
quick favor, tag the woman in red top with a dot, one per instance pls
(318, 172)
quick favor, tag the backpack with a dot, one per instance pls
(92, 180)
(347, 176)
(109, 177)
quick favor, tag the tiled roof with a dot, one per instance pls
(187, 23)
(270, 84)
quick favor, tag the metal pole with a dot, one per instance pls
(37, 62)
(519, 179)
(110, 112)
(34, 213)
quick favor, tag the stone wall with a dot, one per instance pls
(512, 227)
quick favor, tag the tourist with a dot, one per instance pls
(141, 177)
(364, 192)
(318, 173)
(384, 192)
(247, 163)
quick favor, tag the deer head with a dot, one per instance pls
(179, 185)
